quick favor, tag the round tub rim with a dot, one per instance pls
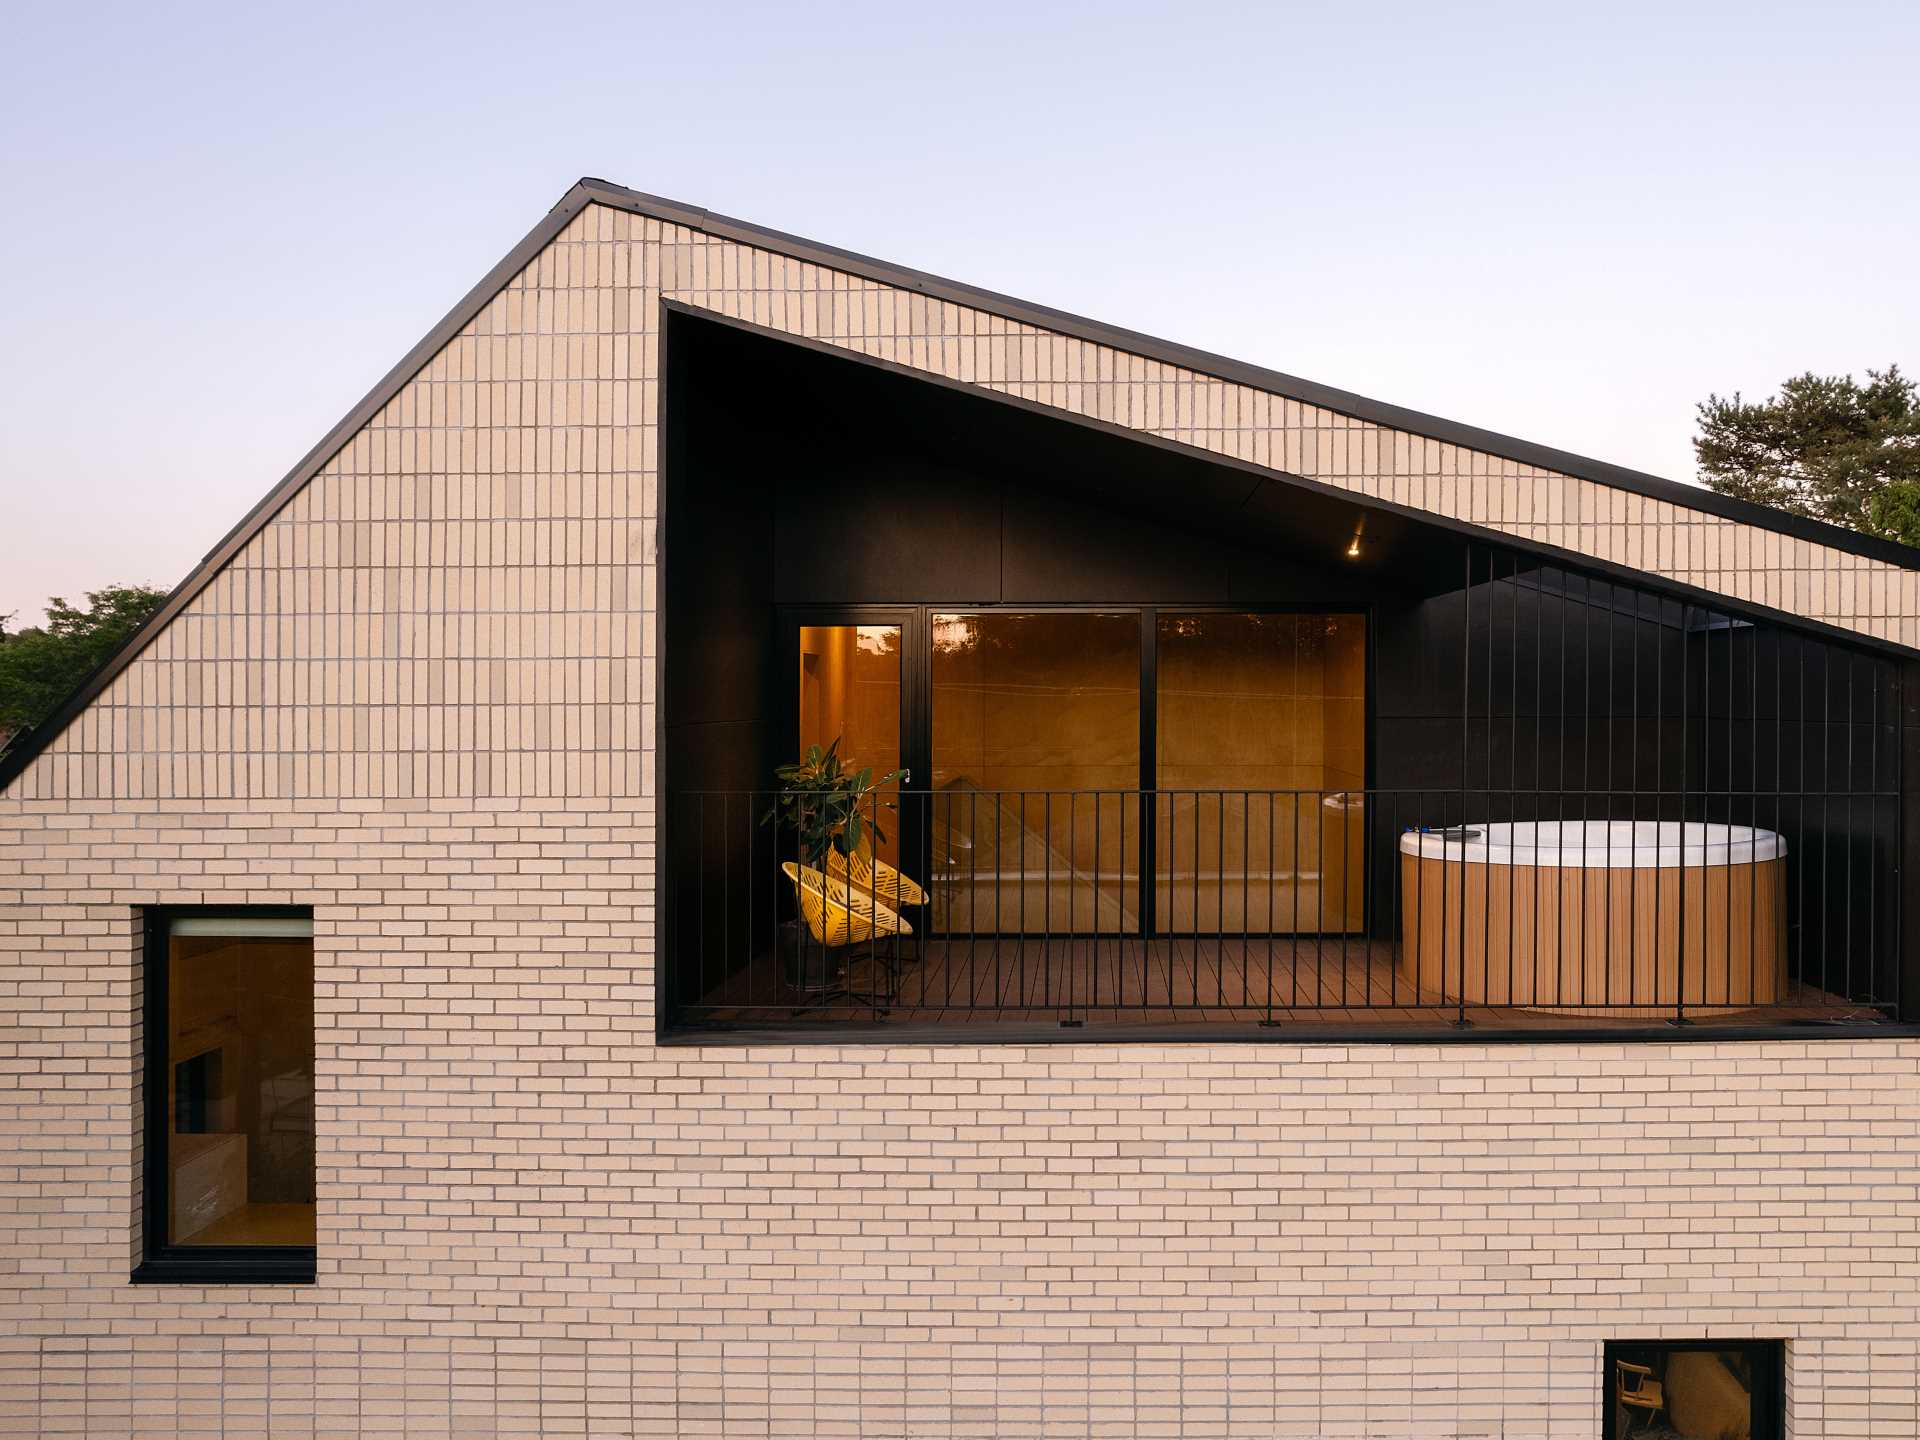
(1598, 844)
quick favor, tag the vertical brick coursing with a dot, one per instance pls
(421, 701)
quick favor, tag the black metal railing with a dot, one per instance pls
(1515, 908)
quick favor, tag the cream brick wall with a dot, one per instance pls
(420, 700)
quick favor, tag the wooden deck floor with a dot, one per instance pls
(1172, 982)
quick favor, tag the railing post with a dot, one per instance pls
(1466, 759)
(1906, 838)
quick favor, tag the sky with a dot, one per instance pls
(226, 222)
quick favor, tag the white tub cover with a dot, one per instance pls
(1598, 844)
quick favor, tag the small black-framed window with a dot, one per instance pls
(1677, 1389)
(229, 1096)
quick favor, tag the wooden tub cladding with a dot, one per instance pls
(1595, 940)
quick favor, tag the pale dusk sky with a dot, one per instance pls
(227, 222)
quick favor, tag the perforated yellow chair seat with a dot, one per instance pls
(836, 915)
(876, 878)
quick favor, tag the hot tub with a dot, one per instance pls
(1609, 917)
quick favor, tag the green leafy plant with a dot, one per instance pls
(828, 806)
(43, 664)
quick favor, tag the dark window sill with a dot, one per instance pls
(228, 1265)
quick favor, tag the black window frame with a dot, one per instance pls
(915, 622)
(1767, 1360)
(162, 1263)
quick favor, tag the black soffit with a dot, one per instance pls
(1278, 498)
(853, 403)
(592, 191)
(1327, 397)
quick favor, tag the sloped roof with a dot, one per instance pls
(590, 191)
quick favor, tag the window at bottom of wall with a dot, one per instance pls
(229, 1162)
(1695, 1390)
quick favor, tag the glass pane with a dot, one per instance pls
(1036, 768)
(1691, 1394)
(1260, 742)
(239, 1089)
(850, 692)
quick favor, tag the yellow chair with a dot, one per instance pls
(836, 915)
(876, 878)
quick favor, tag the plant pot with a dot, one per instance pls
(805, 964)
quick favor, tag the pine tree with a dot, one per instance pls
(1824, 447)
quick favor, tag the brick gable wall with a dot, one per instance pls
(420, 700)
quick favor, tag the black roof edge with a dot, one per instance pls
(27, 744)
(1221, 367)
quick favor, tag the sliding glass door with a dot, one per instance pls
(1036, 758)
(850, 688)
(1036, 732)
(1260, 754)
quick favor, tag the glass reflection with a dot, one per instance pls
(1031, 711)
(240, 1143)
(1683, 1392)
(1260, 755)
(850, 692)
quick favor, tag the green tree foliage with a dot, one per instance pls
(42, 665)
(1825, 447)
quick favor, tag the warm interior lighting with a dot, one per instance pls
(850, 693)
(240, 1141)
(1260, 750)
(1036, 740)
(1353, 548)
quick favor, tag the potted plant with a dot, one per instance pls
(828, 807)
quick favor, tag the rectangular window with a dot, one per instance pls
(229, 1096)
(1036, 765)
(1260, 756)
(1694, 1389)
(850, 696)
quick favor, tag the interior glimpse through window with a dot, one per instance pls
(239, 1071)
(1260, 743)
(1694, 1390)
(1031, 712)
(850, 693)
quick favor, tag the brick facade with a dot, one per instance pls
(420, 699)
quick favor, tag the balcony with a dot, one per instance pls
(1201, 751)
(1373, 912)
